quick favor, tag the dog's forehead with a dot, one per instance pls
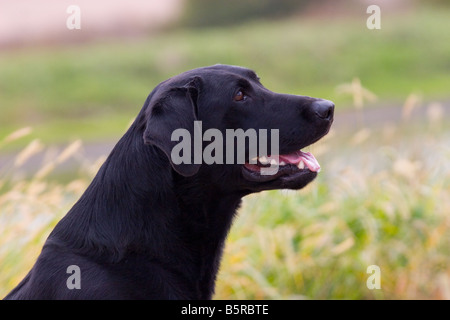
(230, 70)
(216, 73)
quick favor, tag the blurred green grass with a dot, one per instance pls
(383, 200)
(53, 88)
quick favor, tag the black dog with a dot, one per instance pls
(150, 228)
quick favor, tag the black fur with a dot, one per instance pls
(149, 229)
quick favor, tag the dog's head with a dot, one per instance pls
(219, 122)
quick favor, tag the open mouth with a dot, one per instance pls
(290, 166)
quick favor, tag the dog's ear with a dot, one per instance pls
(176, 109)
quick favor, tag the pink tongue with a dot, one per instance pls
(307, 158)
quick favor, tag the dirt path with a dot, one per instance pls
(347, 121)
(391, 115)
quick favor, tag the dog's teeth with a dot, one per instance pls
(273, 162)
(254, 160)
(301, 165)
(263, 160)
(282, 163)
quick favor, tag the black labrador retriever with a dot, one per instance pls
(150, 227)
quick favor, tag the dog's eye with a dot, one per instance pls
(239, 96)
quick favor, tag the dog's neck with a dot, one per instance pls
(204, 223)
(121, 214)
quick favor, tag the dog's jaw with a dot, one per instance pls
(290, 171)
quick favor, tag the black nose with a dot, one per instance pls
(324, 109)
